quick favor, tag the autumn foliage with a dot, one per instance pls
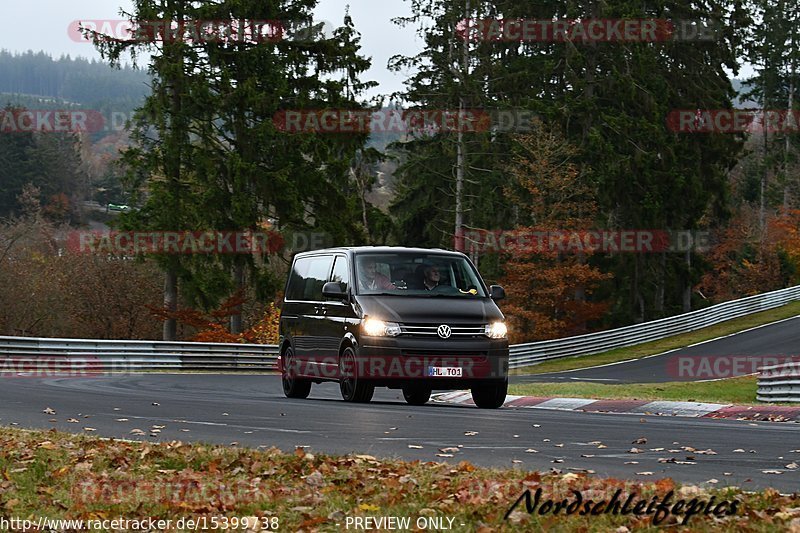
(746, 261)
(550, 292)
(212, 326)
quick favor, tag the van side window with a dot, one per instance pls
(341, 274)
(308, 276)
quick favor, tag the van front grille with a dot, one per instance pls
(461, 330)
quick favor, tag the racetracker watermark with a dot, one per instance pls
(733, 121)
(15, 366)
(586, 30)
(102, 491)
(729, 366)
(419, 121)
(245, 31)
(585, 241)
(51, 121)
(174, 242)
(409, 367)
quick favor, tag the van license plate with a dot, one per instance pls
(444, 372)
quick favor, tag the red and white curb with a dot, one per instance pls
(771, 413)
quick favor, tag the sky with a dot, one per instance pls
(43, 25)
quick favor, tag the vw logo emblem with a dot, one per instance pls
(444, 331)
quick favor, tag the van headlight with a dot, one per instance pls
(498, 330)
(372, 327)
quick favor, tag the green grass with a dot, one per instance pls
(61, 476)
(739, 391)
(664, 345)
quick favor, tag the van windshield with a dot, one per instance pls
(413, 274)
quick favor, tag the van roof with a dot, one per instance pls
(379, 249)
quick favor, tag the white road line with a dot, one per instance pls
(203, 423)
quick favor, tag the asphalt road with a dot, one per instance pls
(251, 411)
(740, 353)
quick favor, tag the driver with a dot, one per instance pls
(371, 279)
(431, 278)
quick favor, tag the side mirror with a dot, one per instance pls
(333, 290)
(496, 292)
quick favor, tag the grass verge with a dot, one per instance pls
(739, 391)
(664, 345)
(62, 476)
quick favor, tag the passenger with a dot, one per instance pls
(432, 277)
(372, 280)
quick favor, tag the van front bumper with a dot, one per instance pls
(431, 362)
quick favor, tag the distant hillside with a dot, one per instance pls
(79, 81)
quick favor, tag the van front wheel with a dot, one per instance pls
(490, 396)
(353, 389)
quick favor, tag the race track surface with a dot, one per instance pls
(251, 411)
(715, 359)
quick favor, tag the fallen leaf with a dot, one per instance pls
(415, 446)
(634, 450)
(644, 473)
(73, 420)
(315, 479)
(713, 481)
(631, 462)
(738, 450)
(89, 429)
(444, 455)
(640, 440)
(449, 450)
(777, 472)
(122, 419)
(531, 450)
(470, 433)
(48, 411)
(706, 452)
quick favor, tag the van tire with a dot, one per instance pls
(293, 387)
(416, 395)
(353, 390)
(490, 396)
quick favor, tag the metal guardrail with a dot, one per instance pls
(779, 383)
(92, 356)
(113, 355)
(536, 352)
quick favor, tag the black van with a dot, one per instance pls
(408, 318)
